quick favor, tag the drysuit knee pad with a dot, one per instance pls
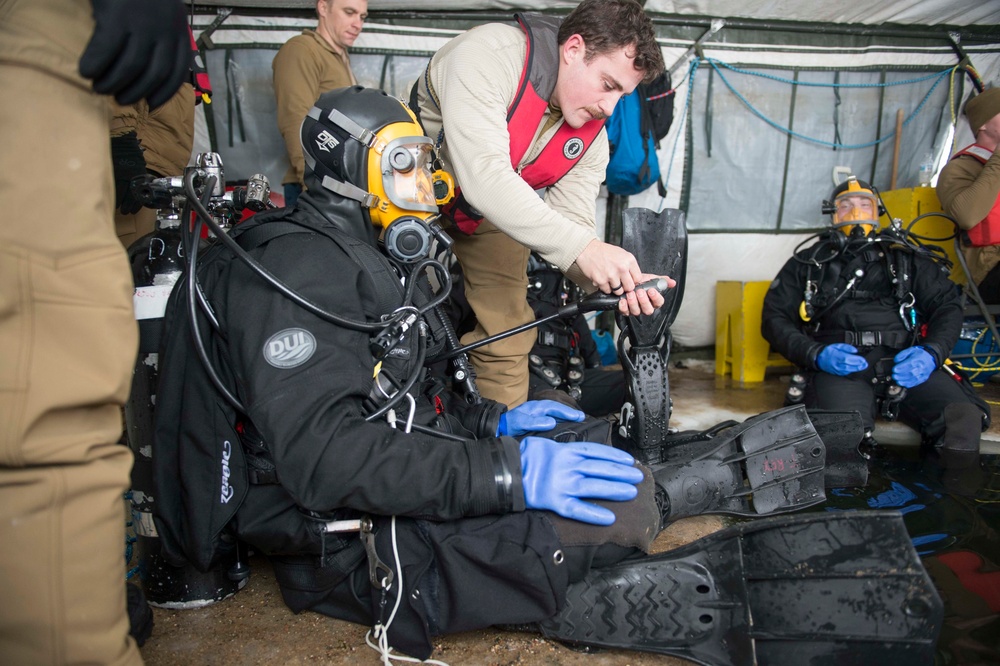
(637, 521)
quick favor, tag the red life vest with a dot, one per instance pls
(198, 74)
(538, 80)
(987, 232)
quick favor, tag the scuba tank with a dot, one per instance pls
(157, 261)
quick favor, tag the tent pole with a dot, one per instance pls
(895, 148)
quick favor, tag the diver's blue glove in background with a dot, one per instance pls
(536, 416)
(840, 359)
(913, 366)
(557, 475)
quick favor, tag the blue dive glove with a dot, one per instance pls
(536, 416)
(840, 359)
(556, 475)
(913, 366)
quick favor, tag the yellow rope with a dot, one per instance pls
(951, 94)
(980, 367)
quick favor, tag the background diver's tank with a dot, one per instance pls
(157, 261)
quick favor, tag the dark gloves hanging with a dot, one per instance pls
(129, 165)
(139, 49)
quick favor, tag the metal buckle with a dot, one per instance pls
(869, 338)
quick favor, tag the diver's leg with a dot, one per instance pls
(950, 420)
(852, 393)
(69, 341)
(496, 286)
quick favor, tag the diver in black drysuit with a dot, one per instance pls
(836, 310)
(472, 555)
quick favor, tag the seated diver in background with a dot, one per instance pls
(386, 500)
(871, 317)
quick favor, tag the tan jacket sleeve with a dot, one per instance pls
(168, 136)
(296, 85)
(303, 70)
(968, 189)
(125, 119)
(165, 134)
(475, 77)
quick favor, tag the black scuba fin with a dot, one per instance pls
(830, 588)
(841, 433)
(659, 243)
(770, 463)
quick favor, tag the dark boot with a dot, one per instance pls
(140, 615)
(770, 463)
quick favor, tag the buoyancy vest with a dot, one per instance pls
(987, 232)
(199, 74)
(538, 81)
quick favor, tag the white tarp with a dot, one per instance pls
(726, 179)
(904, 12)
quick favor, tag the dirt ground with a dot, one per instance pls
(255, 627)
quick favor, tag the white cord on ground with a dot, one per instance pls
(381, 632)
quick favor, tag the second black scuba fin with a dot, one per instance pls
(823, 588)
(770, 463)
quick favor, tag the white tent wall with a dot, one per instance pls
(751, 192)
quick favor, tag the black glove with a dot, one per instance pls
(129, 165)
(139, 49)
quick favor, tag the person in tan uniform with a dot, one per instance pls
(969, 191)
(581, 67)
(307, 66)
(67, 328)
(157, 142)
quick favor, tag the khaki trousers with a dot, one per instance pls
(496, 285)
(68, 341)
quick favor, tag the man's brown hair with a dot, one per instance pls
(608, 25)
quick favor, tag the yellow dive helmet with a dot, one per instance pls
(855, 207)
(365, 145)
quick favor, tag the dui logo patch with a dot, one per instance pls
(289, 348)
(573, 148)
(326, 141)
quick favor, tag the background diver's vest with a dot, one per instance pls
(987, 232)
(538, 80)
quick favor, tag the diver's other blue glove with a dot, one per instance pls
(557, 475)
(840, 359)
(913, 366)
(536, 416)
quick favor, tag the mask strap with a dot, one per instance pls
(346, 190)
(364, 136)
